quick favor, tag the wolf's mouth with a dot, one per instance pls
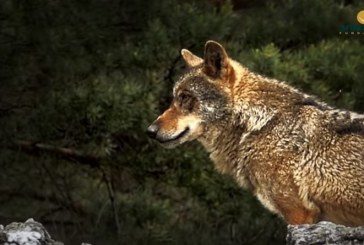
(177, 137)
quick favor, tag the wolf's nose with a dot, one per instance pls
(152, 130)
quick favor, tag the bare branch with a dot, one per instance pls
(111, 192)
(76, 207)
(34, 148)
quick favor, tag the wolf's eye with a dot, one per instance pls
(183, 98)
(186, 101)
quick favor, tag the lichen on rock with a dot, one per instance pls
(28, 233)
(325, 233)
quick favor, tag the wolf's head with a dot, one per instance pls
(201, 96)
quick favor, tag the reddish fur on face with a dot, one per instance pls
(169, 119)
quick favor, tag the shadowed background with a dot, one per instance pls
(81, 80)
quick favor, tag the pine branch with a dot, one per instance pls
(34, 148)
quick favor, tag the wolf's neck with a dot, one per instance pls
(222, 143)
(254, 118)
(226, 141)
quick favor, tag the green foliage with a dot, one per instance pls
(332, 70)
(91, 75)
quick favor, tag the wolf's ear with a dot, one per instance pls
(191, 59)
(216, 60)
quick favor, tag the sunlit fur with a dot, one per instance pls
(303, 159)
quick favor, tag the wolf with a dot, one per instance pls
(303, 159)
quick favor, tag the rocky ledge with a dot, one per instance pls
(28, 233)
(325, 233)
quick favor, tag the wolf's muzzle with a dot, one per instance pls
(154, 132)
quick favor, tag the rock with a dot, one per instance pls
(325, 233)
(28, 233)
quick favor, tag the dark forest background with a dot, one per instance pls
(80, 81)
